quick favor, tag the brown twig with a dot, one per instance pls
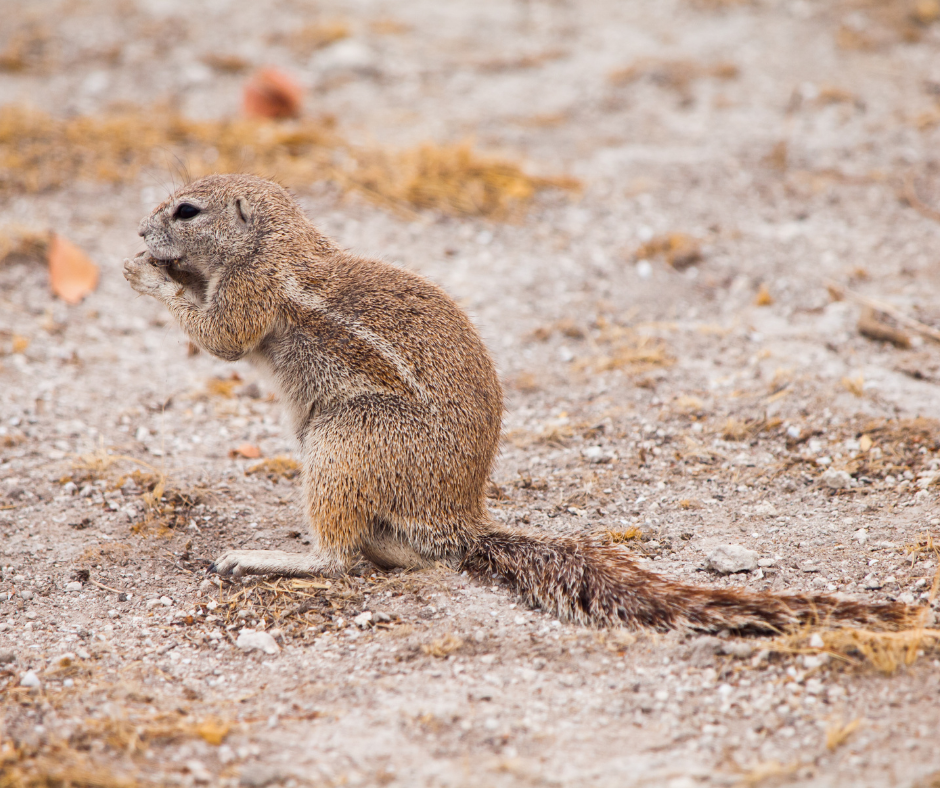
(102, 585)
(912, 323)
(909, 192)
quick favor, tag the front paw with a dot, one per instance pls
(144, 275)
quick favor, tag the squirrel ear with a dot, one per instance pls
(243, 211)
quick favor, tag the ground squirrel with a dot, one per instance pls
(396, 407)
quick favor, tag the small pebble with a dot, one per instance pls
(68, 683)
(816, 641)
(731, 558)
(257, 775)
(73, 586)
(113, 613)
(363, 619)
(198, 770)
(838, 480)
(165, 601)
(30, 679)
(861, 536)
(251, 640)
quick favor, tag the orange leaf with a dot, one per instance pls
(247, 450)
(272, 94)
(71, 274)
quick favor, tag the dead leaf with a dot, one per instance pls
(272, 94)
(71, 274)
(246, 451)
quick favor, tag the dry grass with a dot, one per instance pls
(318, 35)
(443, 646)
(39, 152)
(895, 446)
(746, 429)
(631, 534)
(888, 21)
(678, 249)
(22, 243)
(276, 467)
(676, 75)
(99, 464)
(625, 348)
(451, 179)
(838, 733)
(223, 388)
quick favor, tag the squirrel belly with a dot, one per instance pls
(396, 406)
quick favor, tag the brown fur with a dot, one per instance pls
(396, 407)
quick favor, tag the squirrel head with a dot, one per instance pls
(217, 221)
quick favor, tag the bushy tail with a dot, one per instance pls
(601, 585)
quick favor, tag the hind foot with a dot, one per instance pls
(271, 562)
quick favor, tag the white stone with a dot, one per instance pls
(906, 598)
(165, 601)
(838, 480)
(251, 640)
(816, 641)
(73, 586)
(730, 558)
(765, 509)
(861, 536)
(363, 619)
(30, 679)
(597, 454)
(198, 770)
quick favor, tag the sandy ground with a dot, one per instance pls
(698, 405)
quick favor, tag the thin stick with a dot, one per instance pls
(102, 585)
(882, 306)
(910, 194)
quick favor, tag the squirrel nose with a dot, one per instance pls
(143, 228)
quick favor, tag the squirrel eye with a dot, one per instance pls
(186, 211)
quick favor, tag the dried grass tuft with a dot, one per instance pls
(678, 249)
(626, 349)
(450, 178)
(19, 243)
(631, 534)
(318, 35)
(838, 733)
(276, 467)
(39, 152)
(734, 430)
(443, 646)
